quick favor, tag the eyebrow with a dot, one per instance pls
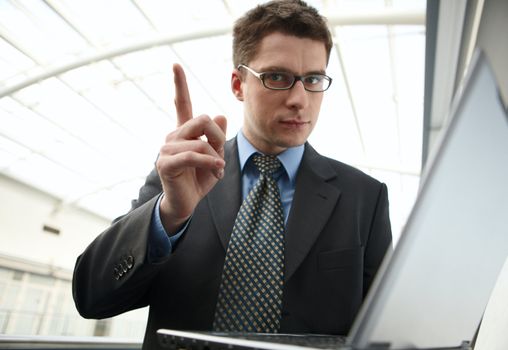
(285, 70)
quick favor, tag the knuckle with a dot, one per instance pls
(186, 157)
(201, 147)
(172, 135)
(204, 119)
(166, 148)
(162, 165)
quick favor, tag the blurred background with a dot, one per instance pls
(86, 99)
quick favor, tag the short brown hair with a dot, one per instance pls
(291, 17)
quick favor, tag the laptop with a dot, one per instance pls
(432, 290)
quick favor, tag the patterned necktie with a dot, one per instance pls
(250, 294)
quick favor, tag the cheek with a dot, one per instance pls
(261, 107)
(316, 108)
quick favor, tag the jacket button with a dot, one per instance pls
(124, 266)
(116, 274)
(130, 261)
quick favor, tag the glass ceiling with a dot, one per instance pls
(86, 95)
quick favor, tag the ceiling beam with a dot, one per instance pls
(383, 17)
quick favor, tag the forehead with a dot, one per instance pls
(291, 52)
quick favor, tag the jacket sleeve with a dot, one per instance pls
(111, 276)
(150, 189)
(380, 238)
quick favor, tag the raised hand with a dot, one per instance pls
(191, 161)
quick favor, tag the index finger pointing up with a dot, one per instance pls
(182, 98)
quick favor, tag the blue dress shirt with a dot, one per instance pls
(160, 244)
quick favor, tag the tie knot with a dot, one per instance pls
(266, 164)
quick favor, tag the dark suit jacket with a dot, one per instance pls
(337, 233)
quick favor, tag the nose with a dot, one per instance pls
(298, 97)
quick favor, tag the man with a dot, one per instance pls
(173, 250)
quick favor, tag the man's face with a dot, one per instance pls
(277, 119)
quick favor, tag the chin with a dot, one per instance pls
(292, 142)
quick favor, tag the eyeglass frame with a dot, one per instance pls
(261, 76)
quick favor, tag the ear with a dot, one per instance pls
(237, 84)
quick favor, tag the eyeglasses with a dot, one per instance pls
(285, 81)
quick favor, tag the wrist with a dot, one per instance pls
(170, 220)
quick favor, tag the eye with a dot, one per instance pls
(313, 79)
(278, 77)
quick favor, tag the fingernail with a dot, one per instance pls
(219, 173)
(219, 163)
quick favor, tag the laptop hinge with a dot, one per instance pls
(379, 346)
(466, 345)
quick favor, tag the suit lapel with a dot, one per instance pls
(225, 198)
(313, 202)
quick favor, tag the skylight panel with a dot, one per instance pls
(207, 76)
(12, 61)
(40, 32)
(11, 152)
(103, 23)
(353, 5)
(67, 109)
(366, 53)
(28, 128)
(90, 76)
(337, 121)
(409, 56)
(147, 62)
(180, 16)
(48, 176)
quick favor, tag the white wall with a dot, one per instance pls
(23, 213)
(28, 306)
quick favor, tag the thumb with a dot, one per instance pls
(222, 122)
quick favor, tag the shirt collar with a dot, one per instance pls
(290, 158)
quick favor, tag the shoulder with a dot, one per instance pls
(335, 171)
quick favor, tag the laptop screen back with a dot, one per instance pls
(437, 283)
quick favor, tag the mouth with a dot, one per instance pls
(294, 123)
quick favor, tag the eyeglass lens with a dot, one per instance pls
(282, 80)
